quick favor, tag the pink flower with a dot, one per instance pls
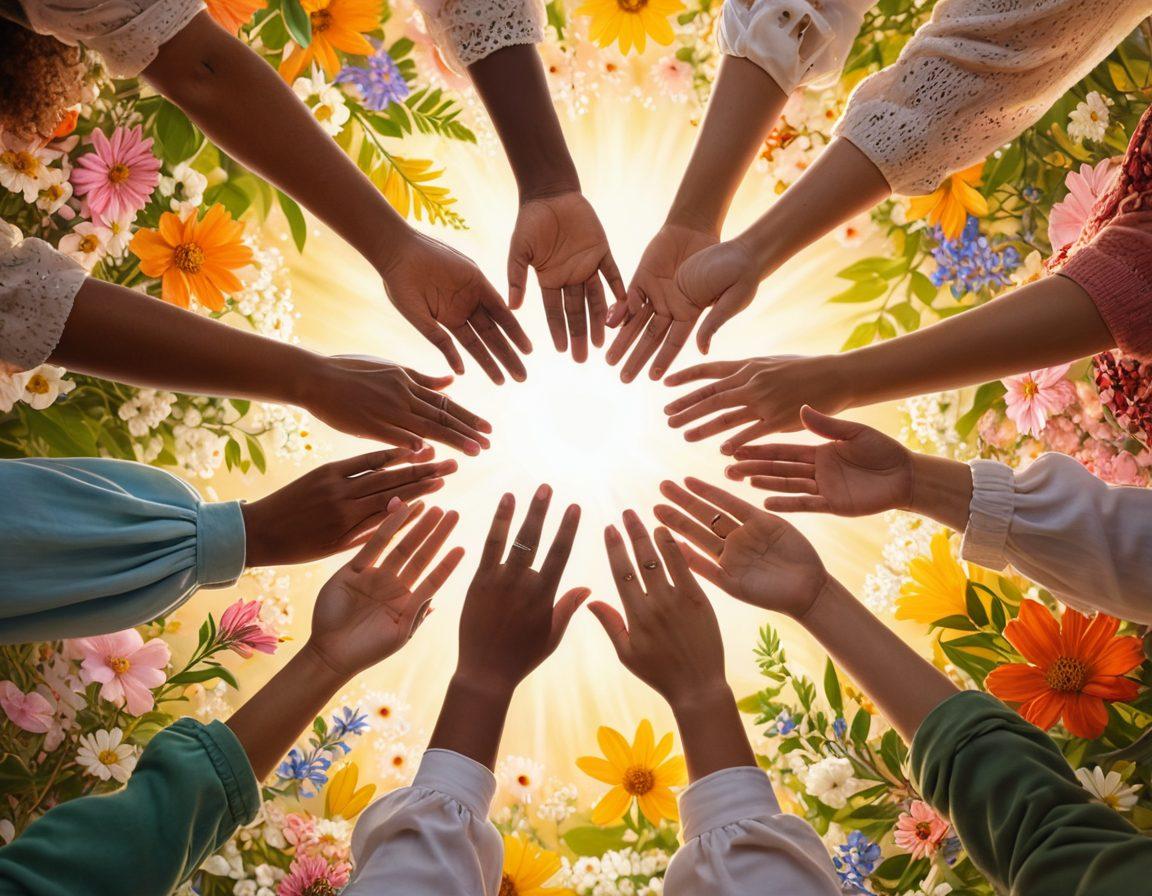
(126, 667)
(312, 876)
(1125, 387)
(1085, 186)
(29, 712)
(300, 830)
(118, 176)
(1033, 396)
(241, 630)
(1061, 434)
(920, 830)
(997, 431)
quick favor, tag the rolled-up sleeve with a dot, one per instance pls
(93, 545)
(432, 837)
(737, 841)
(466, 31)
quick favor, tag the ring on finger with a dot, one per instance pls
(650, 564)
(521, 546)
(628, 577)
(715, 520)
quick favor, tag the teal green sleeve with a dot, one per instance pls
(191, 790)
(1023, 818)
(93, 545)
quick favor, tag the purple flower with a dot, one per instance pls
(380, 83)
(783, 724)
(305, 768)
(839, 727)
(971, 263)
(854, 861)
(348, 721)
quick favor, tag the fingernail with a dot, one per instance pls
(505, 500)
(395, 504)
(731, 472)
(543, 492)
(657, 372)
(726, 449)
(471, 448)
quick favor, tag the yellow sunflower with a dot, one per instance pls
(642, 770)
(952, 202)
(630, 22)
(336, 25)
(342, 798)
(527, 870)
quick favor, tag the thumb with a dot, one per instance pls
(563, 612)
(726, 308)
(829, 427)
(518, 258)
(614, 625)
(429, 381)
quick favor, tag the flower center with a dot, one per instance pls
(189, 258)
(1030, 388)
(21, 162)
(632, 6)
(321, 21)
(319, 888)
(523, 780)
(507, 886)
(1067, 674)
(119, 664)
(88, 243)
(638, 780)
(53, 192)
(384, 712)
(323, 112)
(108, 757)
(37, 384)
(119, 173)
(397, 761)
(923, 830)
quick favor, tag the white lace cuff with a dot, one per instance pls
(468, 30)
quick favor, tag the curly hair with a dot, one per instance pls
(39, 79)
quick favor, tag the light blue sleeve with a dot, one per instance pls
(92, 545)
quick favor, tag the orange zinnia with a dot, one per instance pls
(336, 25)
(1074, 667)
(194, 258)
(233, 15)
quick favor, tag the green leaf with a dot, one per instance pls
(401, 48)
(591, 840)
(956, 623)
(863, 291)
(298, 21)
(1139, 751)
(905, 315)
(832, 688)
(862, 335)
(296, 223)
(232, 454)
(256, 452)
(922, 288)
(175, 133)
(861, 725)
(209, 672)
(750, 704)
(986, 396)
(230, 195)
(877, 266)
(975, 606)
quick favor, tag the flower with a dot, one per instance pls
(782, 724)
(336, 25)
(1033, 396)
(854, 860)
(528, 868)
(102, 754)
(126, 666)
(26, 172)
(675, 76)
(349, 721)
(1125, 388)
(186, 188)
(972, 263)
(1068, 217)
(313, 876)
(380, 83)
(831, 781)
(387, 712)
(241, 631)
(119, 175)
(54, 195)
(41, 386)
(1030, 270)
(87, 244)
(394, 760)
(329, 108)
(232, 15)
(29, 712)
(852, 233)
(521, 777)
(937, 586)
(1089, 120)
(920, 830)
(196, 259)
(630, 22)
(305, 768)
(952, 202)
(341, 798)
(642, 770)
(1071, 669)
(1109, 788)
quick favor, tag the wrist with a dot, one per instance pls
(701, 699)
(391, 246)
(700, 220)
(307, 378)
(765, 249)
(256, 547)
(548, 185)
(941, 489)
(824, 605)
(483, 686)
(319, 668)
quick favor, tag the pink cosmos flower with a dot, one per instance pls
(28, 712)
(241, 630)
(300, 830)
(1085, 186)
(1033, 396)
(312, 876)
(126, 667)
(920, 830)
(119, 175)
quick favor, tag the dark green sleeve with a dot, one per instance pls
(1023, 818)
(191, 790)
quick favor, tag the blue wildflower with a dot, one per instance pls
(783, 724)
(855, 859)
(307, 768)
(971, 263)
(839, 726)
(348, 721)
(380, 83)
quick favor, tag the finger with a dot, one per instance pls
(427, 551)
(597, 310)
(613, 279)
(398, 513)
(554, 314)
(415, 612)
(805, 454)
(577, 316)
(616, 314)
(633, 326)
(557, 558)
(461, 413)
(407, 545)
(649, 342)
(714, 397)
(726, 501)
(562, 614)
(427, 381)
(674, 560)
(783, 468)
(623, 573)
(471, 342)
(375, 512)
(722, 423)
(707, 370)
(435, 580)
(372, 485)
(517, 276)
(503, 317)
(798, 504)
(527, 540)
(712, 518)
(651, 569)
(785, 484)
(751, 433)
(728, 306)
(829, 427)
(720, 386)
(704, 567)
(435, 424)
(435, 334)
(674, 341)
(703, 538)
(382, 431)
(498, 533)
(614, 627)
(496, 342)
(373, 460)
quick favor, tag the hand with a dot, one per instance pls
(657, 307)
(861, 471)
(437, 289)
(754, 556)
(367, 612)
(671, 639)
(509, 625)
(764, 392)
(561, 237)
(336, 506)
(724, 278)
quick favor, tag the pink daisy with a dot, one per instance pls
(126, 667)
(1033, 396)
(241, 630)
(312, 876)
(118, 176)
(920, 830)
(1085, 186)
(29, 712)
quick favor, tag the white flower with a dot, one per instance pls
(186, 188)
(1030, 270)
(55, 193)
(521, 777)
(560, 802)
(26, 171)
(118, 235)
(325, 101)
(199, 451)
(244, 888)
(86, 244)
(103, 755)
(387, 712)
(1109, 788)
(831, 781)
(396, 761)
(11, 388)
(675, 77)
(41, 386)
(1089, 120)
(855, 231)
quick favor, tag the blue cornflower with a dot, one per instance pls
(305, 768)
(783, 724)
(971, 263)
(839, 726)
(855, 859)
(380, 83)
(348, 721)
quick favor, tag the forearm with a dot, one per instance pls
(903, 685)
(744, 105)
(269, 724)
(122, 335)
(512, 84)
(941, 490)
(712, 733)
(471, 720)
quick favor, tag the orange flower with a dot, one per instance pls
(67, 123)
(336, 25)
(952, 202)
(194, 258)
(1074, 667)
(232, 15)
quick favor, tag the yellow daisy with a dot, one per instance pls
(630, 22)
(342, 798)
(952, 202)
(938, 584)
(527, 870)
(642, 771)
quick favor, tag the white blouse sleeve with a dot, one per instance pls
(468, 30)
(973, 78)
(1086, 541)
(799, 43)
(432, 837)
(37, 288)
(126, 33)
(738, 842)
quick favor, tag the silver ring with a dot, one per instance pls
(443, 402)
(522, 547)
(628, 577)
(715, 520)
(650, 564)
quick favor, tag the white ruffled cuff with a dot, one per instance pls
(990, 512)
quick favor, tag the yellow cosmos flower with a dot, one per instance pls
(952, 202)
(642, 771)
(630, 22)
(527, 870)
(342, 798)
(939, 584)
(336, 25)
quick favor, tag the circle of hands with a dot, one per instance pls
(686, 281)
